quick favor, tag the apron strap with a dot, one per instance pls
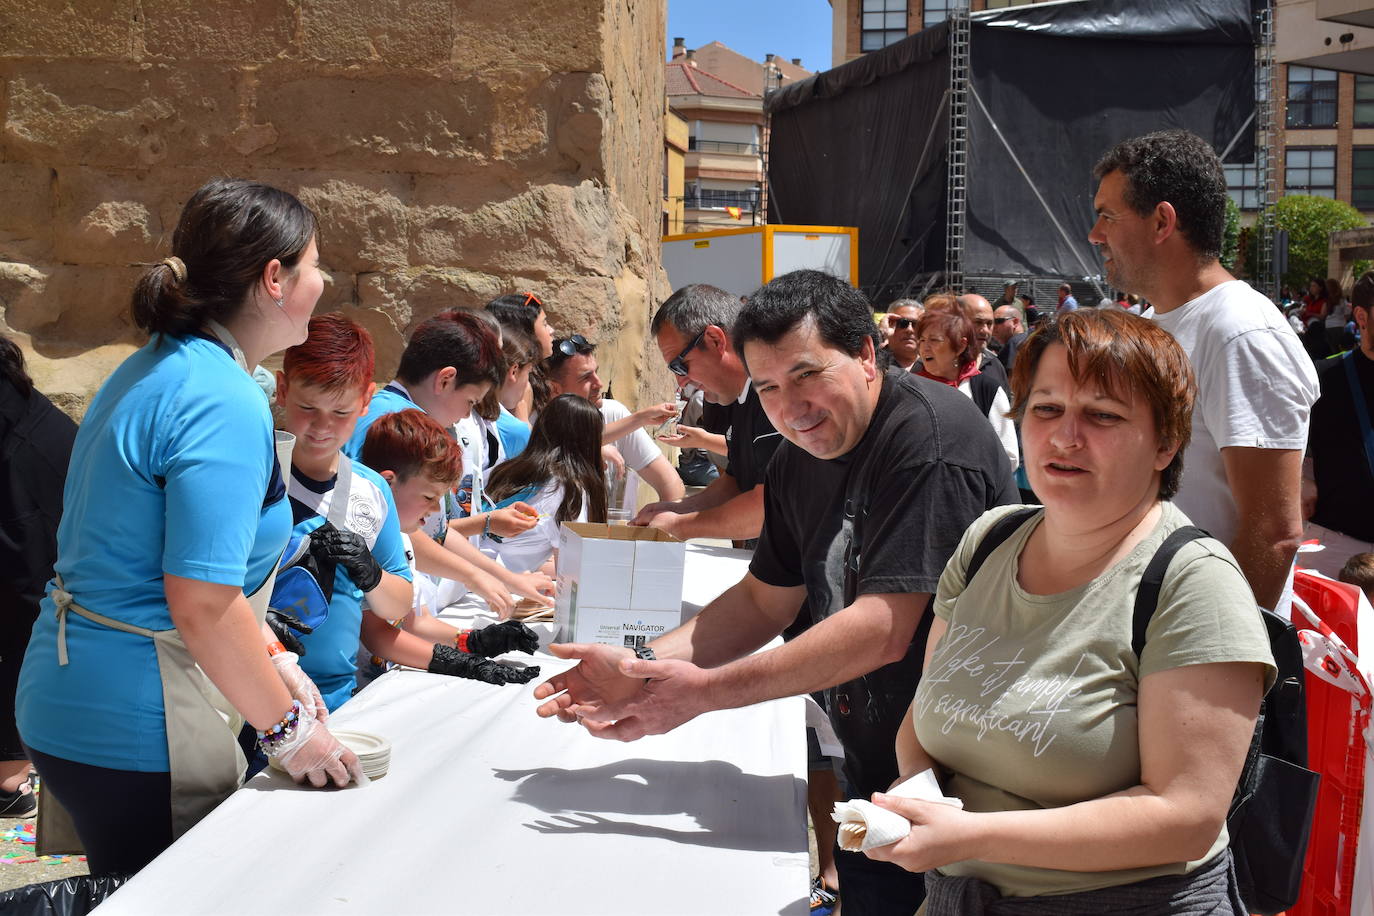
(338, 499)
(65, 602)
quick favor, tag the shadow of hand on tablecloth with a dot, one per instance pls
(736, 810)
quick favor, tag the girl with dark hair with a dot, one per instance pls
(35, 446)
(175, 519)
(558, 475)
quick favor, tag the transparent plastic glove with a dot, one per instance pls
(506, 636)
(312, 754)
(448, 660)
(301, 687)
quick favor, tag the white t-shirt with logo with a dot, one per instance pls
(1256, 387)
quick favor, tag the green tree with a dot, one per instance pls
(1230, 237)
(1309, 221)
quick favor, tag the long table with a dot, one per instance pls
(489, 809)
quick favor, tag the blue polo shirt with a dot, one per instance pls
(170, 474)
(384, 401)
(331, 652)
(514, 433)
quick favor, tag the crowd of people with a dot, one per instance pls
(950, 512)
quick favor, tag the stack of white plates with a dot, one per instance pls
(374, 753)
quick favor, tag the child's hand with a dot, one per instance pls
(517, 518)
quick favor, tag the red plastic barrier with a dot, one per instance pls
(1335, 749)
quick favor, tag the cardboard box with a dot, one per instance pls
(617, 585)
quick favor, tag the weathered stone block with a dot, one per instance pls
(26, 219)
(55, 28)
(547, 34)
(105, 218)
(68, 308)
(571, 227)
(394, 33)
(411, 296)
(119, 116)
(363, 220)
(244, 32)
(400, 121)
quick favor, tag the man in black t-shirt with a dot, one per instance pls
(692, 329)
(1339, 467)
(864, 505)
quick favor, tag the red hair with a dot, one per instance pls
(410, 441)
(337, 356)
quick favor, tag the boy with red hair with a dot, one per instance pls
(421, 462)
(354, 552)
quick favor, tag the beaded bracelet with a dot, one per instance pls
(488, 533)
(273, 737)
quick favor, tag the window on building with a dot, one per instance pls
(1311, 97)
(934, 12)
(884, 22)
(1310, 170)
(1242, 183)
(1362, 178)
(1364, 100)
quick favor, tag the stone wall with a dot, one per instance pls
(453, 149)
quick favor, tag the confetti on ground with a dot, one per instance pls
(22, 833)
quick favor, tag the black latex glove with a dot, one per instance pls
(282, 624)
(506, 636)
(448, 660)
(350, 552)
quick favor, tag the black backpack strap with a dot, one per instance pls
(1002, 529)
(1147, 596)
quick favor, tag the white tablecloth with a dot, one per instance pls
(489, 809)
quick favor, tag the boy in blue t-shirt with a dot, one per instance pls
(356, 551)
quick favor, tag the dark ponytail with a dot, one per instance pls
(228, 232)
(12, 366)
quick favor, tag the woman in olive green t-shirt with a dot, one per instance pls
(1082, 767)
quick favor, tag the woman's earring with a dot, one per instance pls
(281, 302)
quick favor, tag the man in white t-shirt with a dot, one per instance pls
(572, 370)
(1160, 209)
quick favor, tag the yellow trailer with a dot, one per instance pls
(741, 260)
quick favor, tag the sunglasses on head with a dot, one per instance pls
(569, 346)
(902, 324)
(676, 365)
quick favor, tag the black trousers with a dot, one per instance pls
(872, 888)
(124, 817)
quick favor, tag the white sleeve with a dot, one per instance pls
(1004, 426)
(636, 448)
(1257, 391)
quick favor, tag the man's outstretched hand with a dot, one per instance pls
(596, 681)
(615, 695)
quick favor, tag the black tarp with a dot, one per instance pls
(1062, 81)
(864, 145)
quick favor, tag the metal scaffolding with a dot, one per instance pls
(1266, 150)
(956, 190)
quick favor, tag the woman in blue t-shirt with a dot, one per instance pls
(174, 520)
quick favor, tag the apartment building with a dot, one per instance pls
(719, 93)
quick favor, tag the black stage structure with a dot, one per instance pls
(969, 155)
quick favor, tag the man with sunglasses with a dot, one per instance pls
(902, 317)
(1007, 331)
(571, 369)
(692, 329)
